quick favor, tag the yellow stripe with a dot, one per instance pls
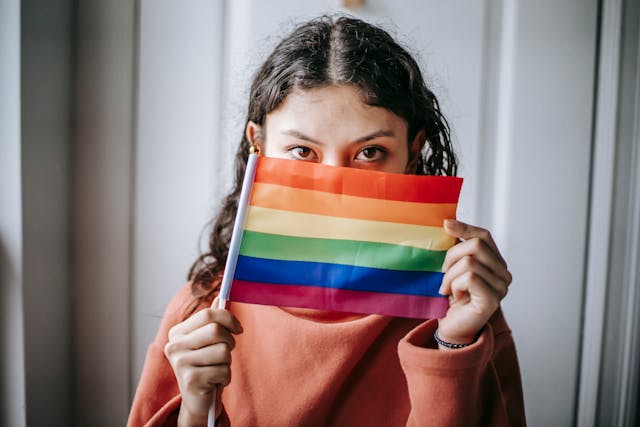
(274, 221)
(341, 205)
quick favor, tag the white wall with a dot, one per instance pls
(177, 151)
(545, 203)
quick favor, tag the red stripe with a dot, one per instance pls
(358, 182)
(330, 299)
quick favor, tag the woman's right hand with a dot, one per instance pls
(199, 351)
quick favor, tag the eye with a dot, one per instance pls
(371, 154)
(300, 152)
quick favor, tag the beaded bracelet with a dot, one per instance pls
(448, 344)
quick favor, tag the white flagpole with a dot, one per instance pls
(234, 247)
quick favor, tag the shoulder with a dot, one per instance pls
(176, 311)
(180, 301)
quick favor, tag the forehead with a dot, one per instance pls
(338, 108)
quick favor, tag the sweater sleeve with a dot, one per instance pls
(476, 385)
(157, 399)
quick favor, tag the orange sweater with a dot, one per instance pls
(299, 367)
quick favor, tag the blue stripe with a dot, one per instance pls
(425, 283)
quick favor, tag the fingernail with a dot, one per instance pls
(450, 223)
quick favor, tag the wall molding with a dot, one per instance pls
(618, 374)
(630, 358)
(600, 208)
(102, 209)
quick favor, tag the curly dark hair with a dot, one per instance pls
(330, 50)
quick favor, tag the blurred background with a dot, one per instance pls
(118, 123)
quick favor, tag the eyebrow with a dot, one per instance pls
(369, 137)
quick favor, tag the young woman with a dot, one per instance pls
(341, 92)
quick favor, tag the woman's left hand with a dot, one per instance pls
(476, 279)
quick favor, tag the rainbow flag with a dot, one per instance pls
(343, 239)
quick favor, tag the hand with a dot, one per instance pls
(476, 279)
(199, 351)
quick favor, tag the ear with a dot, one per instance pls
(414, 151)
(254, 134)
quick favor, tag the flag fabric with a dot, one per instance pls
(344, 239)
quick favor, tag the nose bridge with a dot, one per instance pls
(335, 157)
(334, 163)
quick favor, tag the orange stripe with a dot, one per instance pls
(358, 182)
(331, 204)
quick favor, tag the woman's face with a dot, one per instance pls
(333, 126)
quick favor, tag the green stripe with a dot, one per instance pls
(347, 252)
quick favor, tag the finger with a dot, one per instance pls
(481, 252)
(469, 263)
(466, 231)
(216, 303)
(204, 316)
(473, 289)
(206, 378)
(209, 334)
(216, 354)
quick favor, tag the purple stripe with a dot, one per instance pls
(331, 299)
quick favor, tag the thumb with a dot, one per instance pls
(457, 228)
(216, 302)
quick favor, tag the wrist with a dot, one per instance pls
(456, 333)
(455, 343)
(188, 419)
